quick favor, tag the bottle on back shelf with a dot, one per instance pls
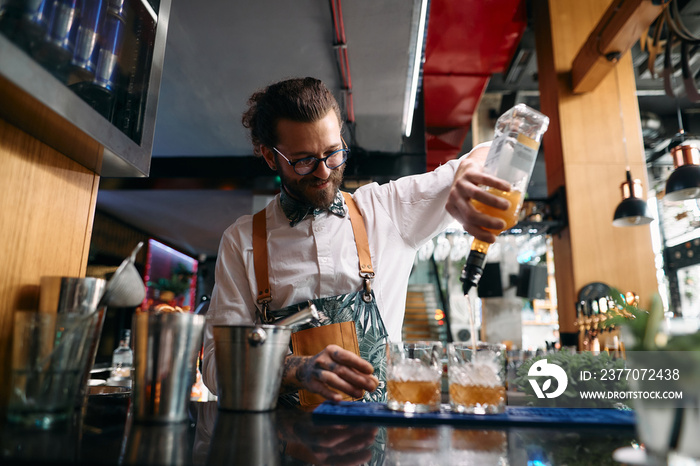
(122, 360)
(512, 156)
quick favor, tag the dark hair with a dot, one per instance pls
(298, 99)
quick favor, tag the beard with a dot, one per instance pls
(306, 189)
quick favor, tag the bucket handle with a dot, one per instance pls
(257, 336)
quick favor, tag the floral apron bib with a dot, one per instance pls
(359, 306)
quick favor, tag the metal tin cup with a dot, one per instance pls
(86, 46)
(112, 35)
(56, 51)
(249, 364)
(414, 376)
(77, 295)
(477, 379)
(166, 346)
(63, 24)
(70, 294)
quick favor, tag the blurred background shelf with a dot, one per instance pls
(42, 105)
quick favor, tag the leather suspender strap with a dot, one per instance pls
(362, 244)
(358, 229)
(260, 255)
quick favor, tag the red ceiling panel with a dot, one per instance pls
(451, 100)
(468, 41)
(446, 138)
(512, 32)
(473, 36)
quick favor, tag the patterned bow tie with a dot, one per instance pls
(296, 211)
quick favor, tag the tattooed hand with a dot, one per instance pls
(332, 369)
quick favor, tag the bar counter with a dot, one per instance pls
(103, 433)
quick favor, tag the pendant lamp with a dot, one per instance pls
(684, 182)
(632, 211)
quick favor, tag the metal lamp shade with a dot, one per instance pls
(684, 182)
(632, 211)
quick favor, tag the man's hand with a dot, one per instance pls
(465, 187)
(332, 369)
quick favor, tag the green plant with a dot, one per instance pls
(178, 283)
(643, 329)
(573, 364)
(649, 347)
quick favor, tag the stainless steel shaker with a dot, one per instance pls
(81, 296)
(70, 294)
(166, 346)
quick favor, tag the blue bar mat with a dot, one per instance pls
(514, 416)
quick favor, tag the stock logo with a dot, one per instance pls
(542, 368)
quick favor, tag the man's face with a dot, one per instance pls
(298, 140)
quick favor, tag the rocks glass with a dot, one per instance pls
(414, 376)
(476, 379)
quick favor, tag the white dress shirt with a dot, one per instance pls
(317, 258)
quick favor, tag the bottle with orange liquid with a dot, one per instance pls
(512, 156)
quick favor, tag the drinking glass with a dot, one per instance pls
(49, 352)
(476, 378)
(414, 376)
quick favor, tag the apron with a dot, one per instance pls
(359, 306)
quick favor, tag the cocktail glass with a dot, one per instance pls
(414, 376)
(476, 378)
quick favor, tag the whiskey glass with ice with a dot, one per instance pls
(476, 377)
(414, 376)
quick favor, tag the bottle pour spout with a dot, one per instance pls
(473, 270)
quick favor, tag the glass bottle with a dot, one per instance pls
(122, 359)
(512, 156)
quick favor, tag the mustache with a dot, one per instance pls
(333, 177)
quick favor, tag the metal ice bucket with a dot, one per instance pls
(249, 364)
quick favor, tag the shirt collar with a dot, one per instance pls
(296, 211)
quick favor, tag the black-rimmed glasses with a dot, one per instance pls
(308, 165)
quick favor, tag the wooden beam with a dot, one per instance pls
(585, 151)
(621, 26)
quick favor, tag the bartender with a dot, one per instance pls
(315, 239)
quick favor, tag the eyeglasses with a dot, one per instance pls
(309, 164)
